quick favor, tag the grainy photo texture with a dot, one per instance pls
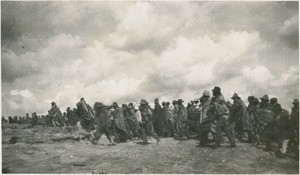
(150, 87)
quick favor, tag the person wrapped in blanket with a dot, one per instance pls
(56, 115)
(86, 120)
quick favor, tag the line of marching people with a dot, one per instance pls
(207, 119)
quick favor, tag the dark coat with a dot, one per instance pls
(266, 119)
(283, 125)
(119, 119)
(240, 115)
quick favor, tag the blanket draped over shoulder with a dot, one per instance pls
(54, 111)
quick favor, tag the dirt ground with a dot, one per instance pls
(60, 150)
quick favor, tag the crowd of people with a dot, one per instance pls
(207, 119)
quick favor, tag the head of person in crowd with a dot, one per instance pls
(156, 101)
(53, 104)
(277, 108)
(99, 105)
(130, 105)
(136, 108)
(124, 106)
(115, 105)
(250, 99)
(273, 100)
(255, 101)
(192, 102)
(189, 105)
(143, 102)
(180, 101)
(235, 98)
(175, 103)
(167, 104)
(216, 91)
(296, 102)
(264, 99)
(196, 101)
(163, 104)
(205, 96)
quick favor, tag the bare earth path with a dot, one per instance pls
(56, 150)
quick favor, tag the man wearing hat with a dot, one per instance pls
(221, 115)
(134, 125)
(71, 117)
(86, 121)
(196, 101)
(102, 121)
(253, 109)
(146, 124)
(240, 119)
(175, 116)
(205, 120)
(283, 129)
(193, 115)
(182, 121)
(294, 115)
(56, 114)
(120, 130)
(130, 119)
(217, 95)
(167, 128)
(266, 121)
(170, 119)
(157, 118)
(294, 119)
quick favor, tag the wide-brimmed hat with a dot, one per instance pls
(174, 102)
(296, 101)
(99, 105)
(180, 101)
(265, 97)
(115, 104)
(216, 89)
(235, 95)
(143, 102)
(250, 98)
(206, 93)
(273, 100)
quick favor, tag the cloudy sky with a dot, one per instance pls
(125, 51)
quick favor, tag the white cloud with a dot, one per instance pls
(124, 52)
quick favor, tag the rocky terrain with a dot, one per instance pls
(62, 150)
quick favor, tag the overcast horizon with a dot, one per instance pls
(125, 51)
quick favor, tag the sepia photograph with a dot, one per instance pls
(150, 87)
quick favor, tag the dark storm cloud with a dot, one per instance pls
(9, 28)
(13, 66)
